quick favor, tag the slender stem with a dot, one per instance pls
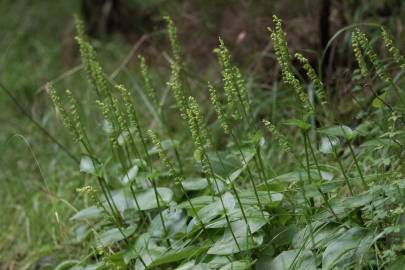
(249, 172)
(38, 125)
(222, 201)
(357, 165)
(234, 190)
(157, 195)
(341, 167)
(325, 197)
(308, 169)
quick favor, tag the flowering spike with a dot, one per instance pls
(280, 138)
(78, 131)
(363, 42)
(234, 84)
(313, 77)
(131, 113)
(280, 45)
(173, 40)
(66, 120)
(162, 153)
(359, 56)
(279, 40)
(112, 133)
(199, 132)
(147, 81)
(177, 86)
(218, 108)
(91, 66)
(394, 51)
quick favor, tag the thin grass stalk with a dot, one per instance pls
(357, 165)
(324, 196)
(235, 192)
(308, 168)
(341, 167)
(194, 121)
(306, 211)
(249, 173)
(157, 195)
(178, 180)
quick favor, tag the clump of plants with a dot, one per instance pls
(210, 195)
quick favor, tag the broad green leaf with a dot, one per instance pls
(178, 255)
(149, 255)
(195, 184)
(91, 212)
(114, 235)
(379, 143)
(197, 202)
(87, 165)
(244, 241)
(95, 266)
(130, 175)
(298, 123)
(237, 265)
(234, 175)
(146, 247)
(81, 232)
(142, 242)
(227, 244)
(316, 235)
(327, 144)
(65, 265)
(358, 200)
(146, 199)
(378, 101)
(301, 175)
(281, 236)
(339, 252)
(219, 261)
(255, 218)
(338, 131)
(175, 221)
(192, 266)
(249, 197)
(215, 209)
(294, 259)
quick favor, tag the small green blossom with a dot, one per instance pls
(234, 84)
(313, 77)
(130, 108)
(280, 138)
(359, 56)
(176, 51)
(394, 51)
(66, 119)
(218, 108)
(78, 130)
(362, 42)
(162, 153)
(199, 132)
(177, 87)
(112, 132)
(279, 40)
(91, 66)
(147, 81)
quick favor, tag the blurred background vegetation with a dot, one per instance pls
(38, 181)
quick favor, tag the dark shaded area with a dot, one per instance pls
(242, 24)
(105, 17)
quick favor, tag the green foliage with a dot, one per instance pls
(196, 200)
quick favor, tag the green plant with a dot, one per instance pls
(193, 200)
